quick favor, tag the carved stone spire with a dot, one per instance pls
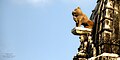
(103, 41)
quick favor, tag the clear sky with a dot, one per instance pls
(39, 29)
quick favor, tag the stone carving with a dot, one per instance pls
(103, 43)
(84, 34)
(83, 47)
(81, 19)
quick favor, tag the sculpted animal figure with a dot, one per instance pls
(81, 19)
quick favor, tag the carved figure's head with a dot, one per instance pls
(77, 12)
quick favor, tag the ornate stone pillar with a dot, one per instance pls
(106, 30)
(85, 39)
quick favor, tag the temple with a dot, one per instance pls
(102, 42)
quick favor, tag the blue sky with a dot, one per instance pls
(39, 29)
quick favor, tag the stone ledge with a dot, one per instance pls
(81, 31)
(106, 56)
(109, 54)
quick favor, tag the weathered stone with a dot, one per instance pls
(85, 38)
(103, 41)
(81, 31)
(105, 56)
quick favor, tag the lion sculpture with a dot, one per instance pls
(81, 19)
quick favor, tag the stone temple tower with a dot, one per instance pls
(103, 41)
